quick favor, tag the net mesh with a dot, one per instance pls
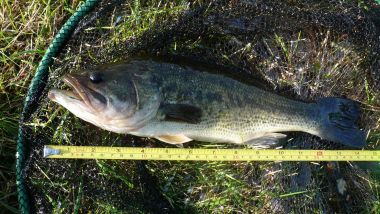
(299, 49)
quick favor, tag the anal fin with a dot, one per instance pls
(174, 139)
(265, 141)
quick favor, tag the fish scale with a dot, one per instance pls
(203, 83)
(228, 106)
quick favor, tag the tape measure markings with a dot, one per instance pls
(196, 154)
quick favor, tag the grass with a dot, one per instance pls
(334, 68)
(27, 29)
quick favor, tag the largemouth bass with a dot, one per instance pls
(177, 104)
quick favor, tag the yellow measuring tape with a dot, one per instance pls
(187, 154)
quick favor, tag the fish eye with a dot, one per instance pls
(96, 77)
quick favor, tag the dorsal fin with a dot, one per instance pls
(181, 113)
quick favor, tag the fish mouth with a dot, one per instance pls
(78, 92)
(81, 92)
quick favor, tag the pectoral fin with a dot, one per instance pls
(174, 139)
(181, 113)
(265, 141)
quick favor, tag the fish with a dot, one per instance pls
(176, 104)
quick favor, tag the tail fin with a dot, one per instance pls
(339, 118)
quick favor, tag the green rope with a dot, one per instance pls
(36, 86)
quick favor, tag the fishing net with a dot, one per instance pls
(299, 49)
